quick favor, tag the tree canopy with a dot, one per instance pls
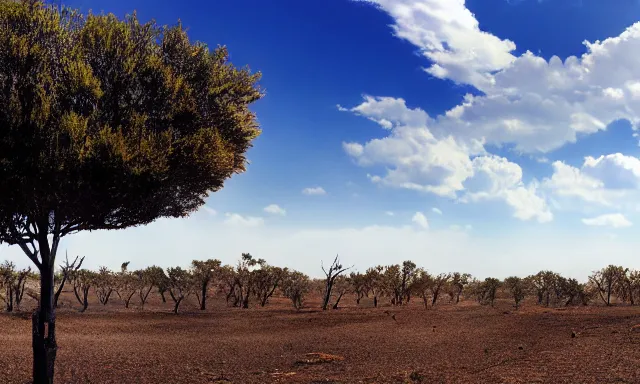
(108, 123)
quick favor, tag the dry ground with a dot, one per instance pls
(466, 343)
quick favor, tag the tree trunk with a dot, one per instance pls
(375, 301)
(457, 297)
(44, 328)
(335, 306)
(203, 304)
(327, 294)
(175, 307)
(164, 299)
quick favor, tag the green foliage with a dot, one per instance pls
(295, 286)
(517, 288)
(108, 123)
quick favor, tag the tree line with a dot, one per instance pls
(253, 281)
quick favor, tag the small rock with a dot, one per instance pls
(573, 334)
(635, 328)
(521, 347)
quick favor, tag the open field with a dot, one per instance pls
(467, 343)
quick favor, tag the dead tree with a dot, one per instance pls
(331, 275)
(65, 271)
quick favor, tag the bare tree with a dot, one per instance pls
(66, 270)
(331, 275)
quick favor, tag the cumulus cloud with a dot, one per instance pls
(609, 181)
(420, 220)
(527, 103)
(416, 159)
(243, 221)
(615, 220)
(436, 210)
(314, 191)
(275, 209)
(449, 35)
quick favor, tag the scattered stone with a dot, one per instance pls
(573, 334)
(635, 328)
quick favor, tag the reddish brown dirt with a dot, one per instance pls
(466, 343)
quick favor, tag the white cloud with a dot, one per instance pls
(389, 213)
(609, 181)
(314, 191)
(416, 159)
(420, 220)
(436, 210)
(448, 34)
(275, 209)
(615, 220)
(535, 104)
(243, 221)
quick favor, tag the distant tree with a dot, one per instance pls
(104, 283)
(294, 286)
(66, 270)
(633, 281)
(358, 285)
(126, 284)
(227, 284)
(265, 281)
(422, 286)
(243, 279)
(108, 124)
(439, 282)
(82, 281)
(156, 277)
(144, 283)
(332, 273)
(456, 285)
(180, 285)
(203, 272)
(574, 292)
(374, 283)
(488, 289)
(392, 283)
(607, 280)
(13, 282)
(517, 289)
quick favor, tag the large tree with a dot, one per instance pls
(108, 124)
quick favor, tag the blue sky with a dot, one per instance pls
(441, 131)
